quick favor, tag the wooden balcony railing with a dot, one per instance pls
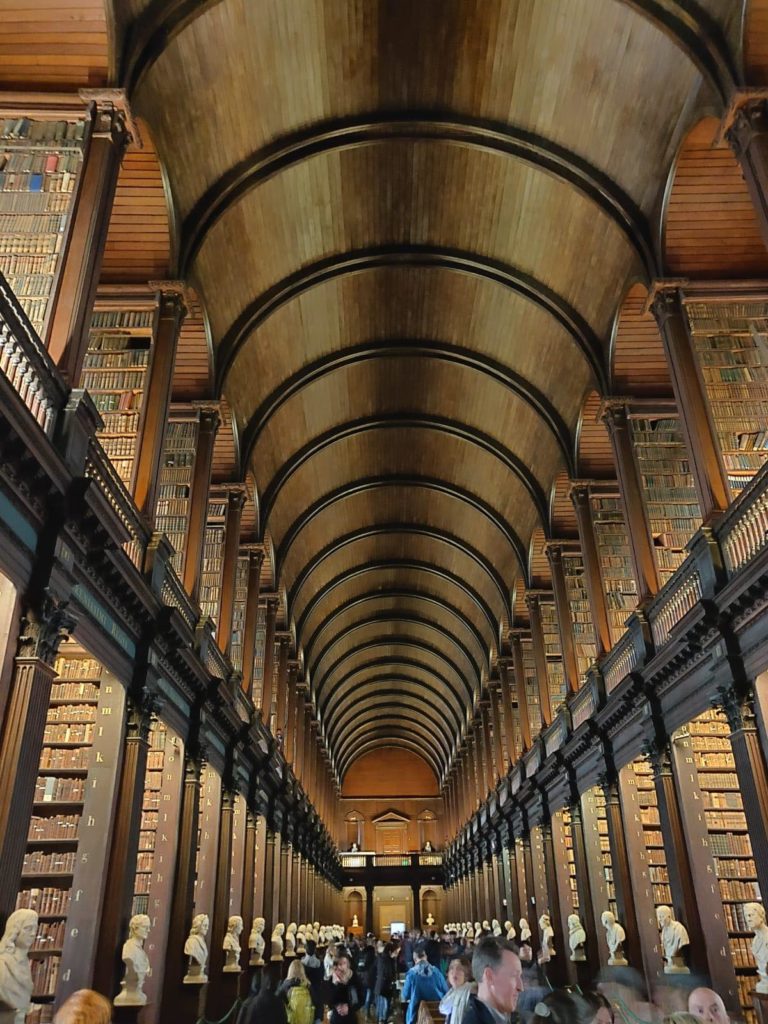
(391, 860)
(26, 365)
(743, 530)
(100, 470)
(677, 597)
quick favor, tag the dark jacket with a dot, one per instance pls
(477, 1013)
(366, 966)
(265, 1008)
(384, 982)
(313, 968)
(335, 994)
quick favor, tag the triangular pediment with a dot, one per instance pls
(390, 817)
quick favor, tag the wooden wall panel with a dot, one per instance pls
(595, 458)
(756, 42)
(390, 772)
(53, 43)
(639, 366)
(710, 228)
(192, 377)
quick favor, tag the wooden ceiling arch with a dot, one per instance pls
(396, 599)
(399, 738)
(349, 744)
(389, 698)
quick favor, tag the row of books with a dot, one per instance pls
(730, 846)
(72, 713)
(15, 203)
(31, 245)
(48, 901)
(60, 182)
(45, 974)
(59, 826)
(730, 801)
(123, 358)
(69, 732)
(29, 130)
(112, 380)
(105, 319)
(37, 862)
(82, 669)
(39, 161)
(50, 789)
(741, 952)
(737, 868)
(30, 228)
(50, 936)
(62, 758)
(117, 401)
(734, 889)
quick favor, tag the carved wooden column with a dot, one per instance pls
(291, 714)
(70, 309)
(269, 909)
(255, 561)
(590, 914)
(751, 771)
(539, 658)
(508, 711)
(564, 621)
(273, 603)
(124, 847)
(259, 870)
(301, 732)
(592, 576)
(198, 498)
(495, 698)
(249, 873)
(280, 697)
(625, 902)
(487, 752)
(235, 503)
(278, 896)
(183, 890)
(748, 135)
(149, 447)
(698, 427)
(524, 717)
(635, 516)
(222, 988)
(21, 739)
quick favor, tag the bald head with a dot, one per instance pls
(707, 1005)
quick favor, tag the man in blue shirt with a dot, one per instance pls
(422, 982)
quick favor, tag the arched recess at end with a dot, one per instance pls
(373, 774)
(638, 366)
(709, 226)
(389, 737)
(594, 455)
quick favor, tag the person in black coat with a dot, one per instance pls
(386, 976)
(262, 1006)
(343, 994)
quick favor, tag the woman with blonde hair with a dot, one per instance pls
(296, 992)
(84, 1007)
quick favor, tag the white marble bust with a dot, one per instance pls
(614, 936)
(197, 950)
(15, 969)
(674, 938)
(525, 930)
(277, 941)
(509, 930)
(754, 914)
(136, 963)
(577, 938)
(496, 928)
(231, 945)
(256, 942)
(290, 939)
(547, 938)
(430, 920)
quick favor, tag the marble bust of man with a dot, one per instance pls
(525, 930)
(15, 970)
(256, 942)
(277, 941)
(614, 936)
(231, 945)
(754, 914)
(136, 963)
(577, 937)
(547, 938)
(197, 950)
(674, 938)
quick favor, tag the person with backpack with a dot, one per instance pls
(296, 992)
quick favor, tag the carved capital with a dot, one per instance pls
(738, 708)
(112, 117)
(210, 416)
(43, 630)
(665, 303)
(746, 120)
(142, 707)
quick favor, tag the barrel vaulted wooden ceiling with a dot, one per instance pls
(412, 223)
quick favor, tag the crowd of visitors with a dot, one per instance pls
(492, 981)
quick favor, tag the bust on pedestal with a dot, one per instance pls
(525, 930)
(496, 928)
(231, 945)
(430, 920)
(136, 963)
(256, 942)
(15, 970)
(277, 942)
(290, 940)
(509, 930)
(577, 938)
(355, 921)
(197, 950)
(614, 936)
(547, 938)
(754, 914)
(674, 938)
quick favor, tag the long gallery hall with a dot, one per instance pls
(383, 509)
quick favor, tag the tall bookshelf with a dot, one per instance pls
(581, 614)
(615, 561)
(729, 841)
(115, 374)
(150, 811)
(40, 162)
(655, 854)
(553, 654)
(531, 687)
(258, 655)
(570, 860)
(50, 862)
(173, 492)
(606, 861)
(668, 489)
(238, 612)
(213, 557)
(731, 342)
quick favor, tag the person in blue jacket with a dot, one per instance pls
(422, 982)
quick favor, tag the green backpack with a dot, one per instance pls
(300, 1008)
